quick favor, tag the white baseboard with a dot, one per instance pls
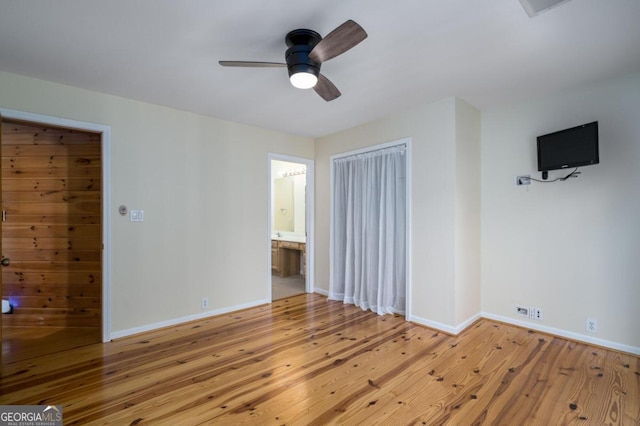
(563, 333)
(444, 327)
(176, 321)
(455, 330)
(462, 326)
(321, 291)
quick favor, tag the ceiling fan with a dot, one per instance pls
(306, 52)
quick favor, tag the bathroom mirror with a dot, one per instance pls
(283, 205)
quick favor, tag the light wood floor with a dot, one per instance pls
(22, 343)
(305, 360)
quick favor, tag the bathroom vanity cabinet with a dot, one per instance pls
(288, 258)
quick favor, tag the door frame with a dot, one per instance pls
(408, 245)
(309, 283)
(105, 143)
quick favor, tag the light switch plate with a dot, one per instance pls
(137, 216)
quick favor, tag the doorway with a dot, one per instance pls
(290, 215)
(53, 232)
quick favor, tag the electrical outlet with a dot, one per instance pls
(523, 180)
(522, 310)
(592, 325)
(205, 303)
(537, 314)
(534, 313)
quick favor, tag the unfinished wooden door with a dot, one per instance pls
(52, 227)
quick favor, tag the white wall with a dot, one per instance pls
(571, 248)
(205, 218)
(432, 129)
(467, 229)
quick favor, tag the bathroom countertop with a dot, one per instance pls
(292, 238)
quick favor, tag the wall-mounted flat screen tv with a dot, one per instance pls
(574, 147)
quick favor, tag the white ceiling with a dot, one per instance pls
(166, 52)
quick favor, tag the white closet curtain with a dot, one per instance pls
(369, 230)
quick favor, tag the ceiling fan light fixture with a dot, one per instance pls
(306, 51)
(303, 80)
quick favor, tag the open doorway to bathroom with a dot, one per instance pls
(290, 222)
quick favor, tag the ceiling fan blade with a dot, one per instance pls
(338, 41)
(250, 64)
(326, 89)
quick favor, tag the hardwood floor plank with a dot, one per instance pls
(306, 360)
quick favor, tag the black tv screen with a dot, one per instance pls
(574, 147)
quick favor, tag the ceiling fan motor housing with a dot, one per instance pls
(301, 42)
